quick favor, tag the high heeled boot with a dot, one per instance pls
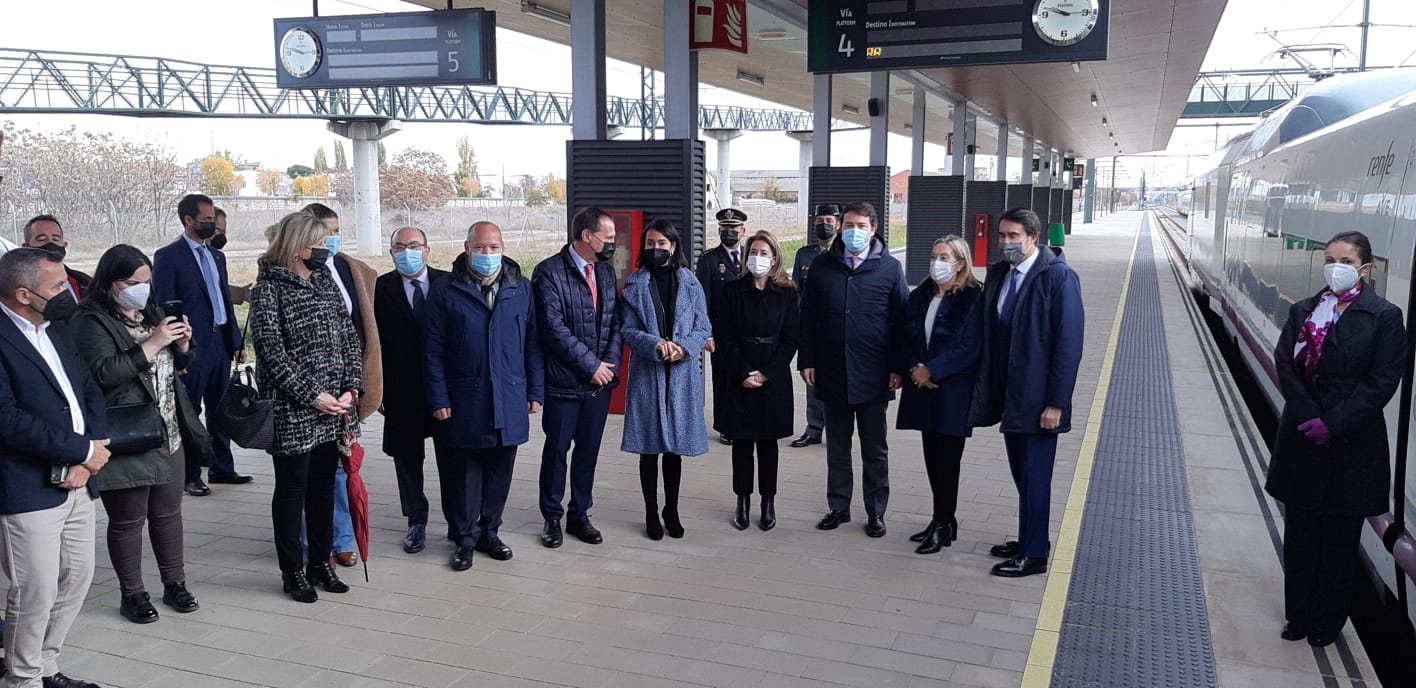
(743, 515)
(769, 514)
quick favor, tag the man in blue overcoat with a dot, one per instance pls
(1032, 346)
(484, 377)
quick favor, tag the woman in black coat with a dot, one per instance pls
(757, 340)
(1339, 359)
(945, 344)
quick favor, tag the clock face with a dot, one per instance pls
(1064, 22)
(300, 52)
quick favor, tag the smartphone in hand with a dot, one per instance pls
(173, 309)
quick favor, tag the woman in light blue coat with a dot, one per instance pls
(664, 398)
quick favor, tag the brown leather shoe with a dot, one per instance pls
(346, 559)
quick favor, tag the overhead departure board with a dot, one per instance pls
(878, 35)
(444, 47)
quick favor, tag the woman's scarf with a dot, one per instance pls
(1309, 349)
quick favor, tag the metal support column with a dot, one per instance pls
(917, 133)
(880, 122)
(368, 220)
(1029, 151)
(1089, 198)
(970, 150)
(1002, 151)
(724, 137)
(587, 69)
(821, 119)
(680, 74)
(961, 125)
(805, 140)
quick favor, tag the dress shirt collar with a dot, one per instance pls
(29, 329)
(1027, 264)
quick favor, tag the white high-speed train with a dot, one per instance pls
(1342, 156)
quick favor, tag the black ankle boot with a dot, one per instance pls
(652, 527)
(671, 522)
(769, 513)
(743, 515)
(298, 587)
(933, 540)
(921, 535)
(951, 531)
(323, 575)
(138, 608)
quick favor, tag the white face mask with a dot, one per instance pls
(941, 271)
(135, 296)
(759, 266)
(1341, 277)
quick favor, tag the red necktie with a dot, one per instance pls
(594, 293)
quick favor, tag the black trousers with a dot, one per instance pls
(766, 467)
(477, 482)
(304, 485)
(206, 381)
(1319, 565)
(583, 422)
(649, 481)
(842, 421)
(408, 470)
(942, 454)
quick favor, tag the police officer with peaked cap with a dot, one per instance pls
(718, 267)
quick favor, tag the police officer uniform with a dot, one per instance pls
(717, 268)
(816, 245)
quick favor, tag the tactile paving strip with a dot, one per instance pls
(1136, 607)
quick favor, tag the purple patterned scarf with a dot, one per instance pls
(1309, 349)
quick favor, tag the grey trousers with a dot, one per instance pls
(160, 508)
(842, 420)
(48, 556)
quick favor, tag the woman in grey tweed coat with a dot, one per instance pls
(308, 361)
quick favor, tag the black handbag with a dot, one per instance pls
(134, 428)
(243, 417)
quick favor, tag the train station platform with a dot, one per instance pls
(1165, 569)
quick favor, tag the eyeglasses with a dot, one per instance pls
(415, 246)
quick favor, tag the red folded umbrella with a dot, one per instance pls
(352, 456)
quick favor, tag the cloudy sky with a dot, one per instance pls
(214, 33)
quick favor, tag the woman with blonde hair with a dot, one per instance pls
(757, 340)
(308, 360)
(945, 344)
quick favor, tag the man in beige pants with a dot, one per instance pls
(55, 439)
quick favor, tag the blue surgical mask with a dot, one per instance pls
(408, 262)
(486, 264)
(1013, 253)
(856, 239)
(332, 243)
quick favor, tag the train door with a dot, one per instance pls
(1221, 199)
(1401, 290)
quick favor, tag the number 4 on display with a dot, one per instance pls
(846, 46)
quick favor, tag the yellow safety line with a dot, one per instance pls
(1043, 653)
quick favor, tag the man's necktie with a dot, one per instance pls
(1010, 297)
(855, 262)
(418, 299)
(590, 280)
(490, 295)
(208, 267)
(737, 266)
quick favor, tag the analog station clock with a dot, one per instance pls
(300, 52)
(1064, 22)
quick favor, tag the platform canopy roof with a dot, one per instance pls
(1157, 47)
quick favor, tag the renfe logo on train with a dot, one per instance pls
(1381, 165)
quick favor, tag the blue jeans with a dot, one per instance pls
(343, 523)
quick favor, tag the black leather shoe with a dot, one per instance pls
(297, 586)
(672, 525)
(323, 575)
(875, 525)
(833, 519)
(197, 488)
(494, 548)
(1007, 550)
(233, 479)
(551, 534)
(724, 439)
(653, 529)
(61, 681)
(587, 533)
(742, 516)
(805, 441)
(138, 608)
(416, 539)
(934, 539)
(921, 535)
(462, 560)
(1321, 639)
(769, 514)
(1020, 566)
(1293, 632)
(175, 595)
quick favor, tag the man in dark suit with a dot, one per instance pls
(43, 231)
(54, 440)
(1032, 345)
(190, 271)
(575, 301)
(399, 299)
(823, 231)
(717, 268)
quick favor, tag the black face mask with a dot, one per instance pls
(660, 259)
(59, 307)
(54, 249)
(217, 242)
(206, 230)
(824, 232)
(606, 253)
(729, 236)
(317, 259)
